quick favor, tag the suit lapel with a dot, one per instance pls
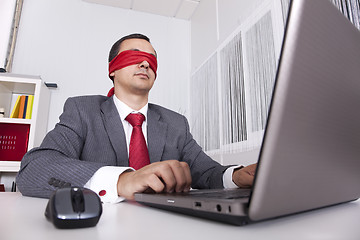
(156, 135)
(115, 131)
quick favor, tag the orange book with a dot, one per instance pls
(22, 106)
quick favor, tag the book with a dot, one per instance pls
(25, 107)
(29, 107)
(14, 140)
(15, 111)
(22, 105)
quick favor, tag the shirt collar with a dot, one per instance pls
(125, 110)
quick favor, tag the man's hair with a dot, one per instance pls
(115, 48)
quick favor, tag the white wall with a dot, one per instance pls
(68, 41)
(213, 22)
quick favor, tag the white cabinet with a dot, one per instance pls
(12, 85)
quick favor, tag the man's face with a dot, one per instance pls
(138, 78)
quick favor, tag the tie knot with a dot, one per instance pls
(135, 119)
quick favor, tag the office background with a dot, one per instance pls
(67, 42)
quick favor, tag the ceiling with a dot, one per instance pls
(182, 9)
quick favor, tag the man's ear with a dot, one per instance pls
(112, 74)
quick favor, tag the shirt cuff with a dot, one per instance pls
(104, 183)
(227, 177)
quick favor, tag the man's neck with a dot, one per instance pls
(135, 102)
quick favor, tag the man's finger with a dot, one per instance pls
(179, 174)
(165, 173)
(187, 173)
(155, 183)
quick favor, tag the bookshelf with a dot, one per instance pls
(11, 86)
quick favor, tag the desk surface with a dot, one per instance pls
(23, 218)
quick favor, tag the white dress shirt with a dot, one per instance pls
(104, 181)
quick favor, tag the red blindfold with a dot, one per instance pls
(131, 57)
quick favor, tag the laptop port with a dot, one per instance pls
(218, 207)
(197, 204)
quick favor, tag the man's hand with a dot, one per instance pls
(244, 177)
(166, 176)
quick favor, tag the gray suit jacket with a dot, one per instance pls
(90, 135)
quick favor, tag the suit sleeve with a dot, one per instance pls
(205, 172)
(56, 163)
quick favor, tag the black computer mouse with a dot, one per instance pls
(74, 207)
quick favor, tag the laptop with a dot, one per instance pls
(310, 154)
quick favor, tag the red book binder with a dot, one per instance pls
(13, 141)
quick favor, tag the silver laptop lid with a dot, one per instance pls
(311, 149)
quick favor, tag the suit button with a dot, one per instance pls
(51, 181)
(56, 183)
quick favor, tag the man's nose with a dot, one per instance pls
(144, 64)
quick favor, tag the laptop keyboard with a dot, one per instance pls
(221, 193)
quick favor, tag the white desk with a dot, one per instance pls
(23, 218)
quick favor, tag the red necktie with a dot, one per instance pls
(138, 152)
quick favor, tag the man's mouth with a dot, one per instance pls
(142, 74)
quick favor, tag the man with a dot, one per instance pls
(93, 146)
